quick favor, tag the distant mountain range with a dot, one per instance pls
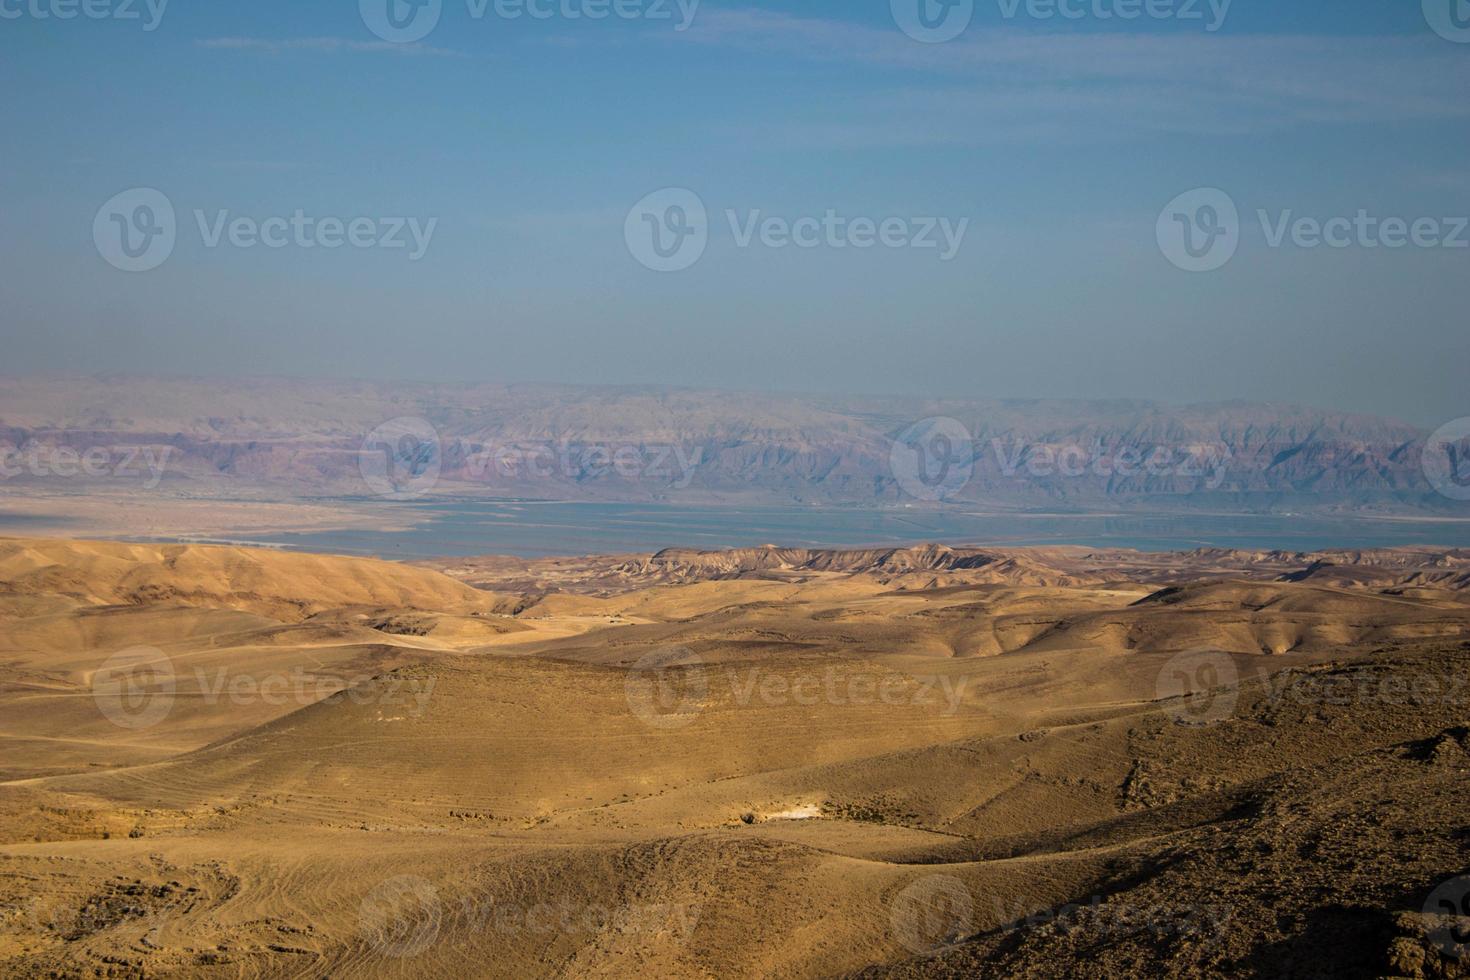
(636, 444)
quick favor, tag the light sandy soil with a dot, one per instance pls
(235, 762)
(93, 511)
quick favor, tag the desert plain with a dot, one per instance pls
(922, 762)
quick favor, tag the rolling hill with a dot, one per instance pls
(222, 761)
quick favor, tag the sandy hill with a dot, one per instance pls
(351, 768)
(220, 621)
(105, 573)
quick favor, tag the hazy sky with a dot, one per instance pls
(528, 141)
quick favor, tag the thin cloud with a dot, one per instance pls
(327, 45)
(1007, 84)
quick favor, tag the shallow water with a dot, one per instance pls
(533, 528)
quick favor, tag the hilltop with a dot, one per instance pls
(225, 761)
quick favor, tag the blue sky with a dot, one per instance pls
(528, 141)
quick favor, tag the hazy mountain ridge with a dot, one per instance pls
(558, 442)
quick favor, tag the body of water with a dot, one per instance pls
(536, 528)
